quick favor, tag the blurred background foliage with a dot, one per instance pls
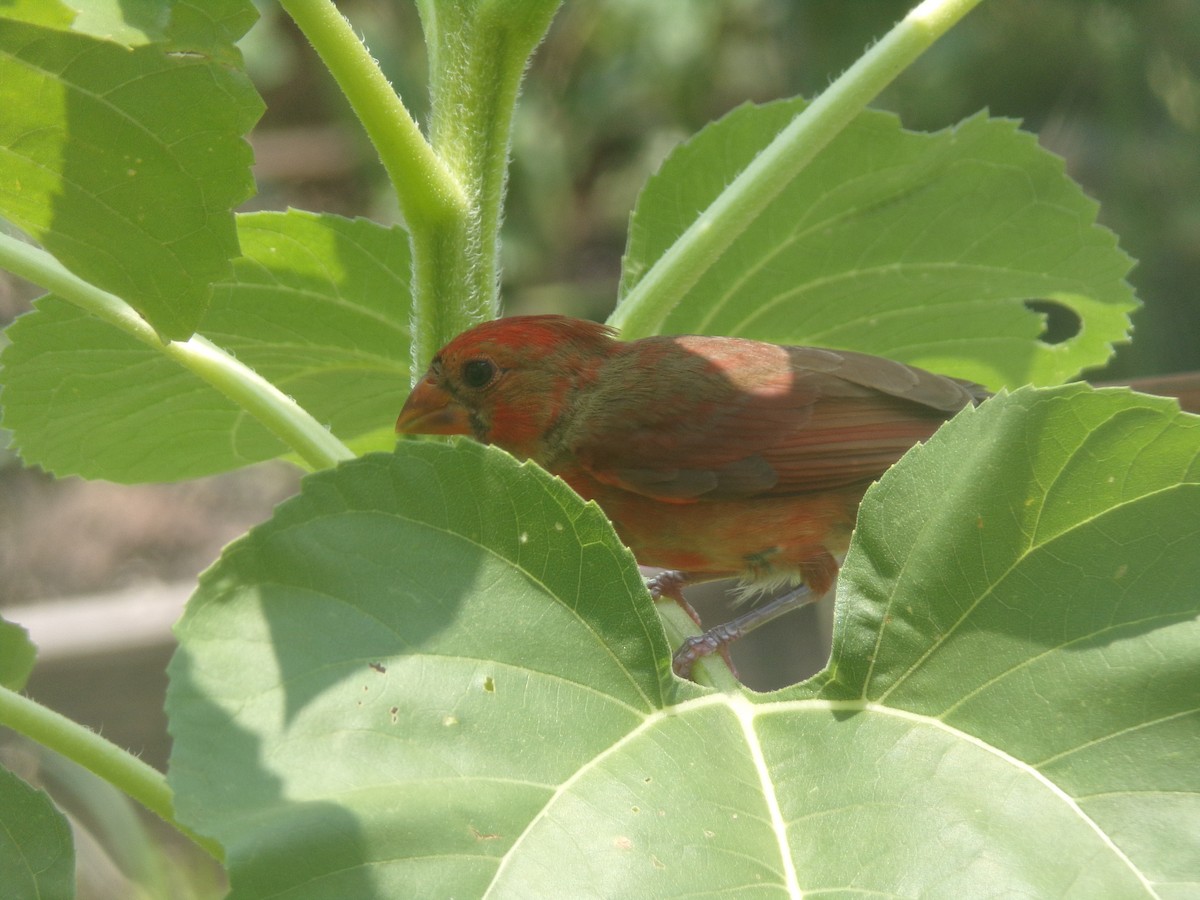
(1111, 86)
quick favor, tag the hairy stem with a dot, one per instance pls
(118, 767)
(451, 187)
(478, 50)
(425, 188)
(437, 207)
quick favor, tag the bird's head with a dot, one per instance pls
(508, 381)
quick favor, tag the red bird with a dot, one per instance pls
(712, 456)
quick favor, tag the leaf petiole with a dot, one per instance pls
(122, 769)
(278, 412)
(642, 311)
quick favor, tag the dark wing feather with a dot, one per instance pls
(721, 418)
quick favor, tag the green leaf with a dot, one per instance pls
(318, 305)
(1054, 658)
(919, 247)
(17, 654)
(211, 27)
(48, 13)
(37, 857)
(436, 674)
(126, 164)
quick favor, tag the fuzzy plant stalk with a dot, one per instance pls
(449, 185)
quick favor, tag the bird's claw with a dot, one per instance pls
(669, 585)
(701, 645)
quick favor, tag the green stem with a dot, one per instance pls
(281, 414)
(478, 51)
(436, 206)
(425, 188)
(709, 670)
(118, 767)
(451, 188)
(644, 309)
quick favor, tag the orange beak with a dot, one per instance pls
(430, 410)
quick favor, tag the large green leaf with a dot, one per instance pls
(126, 164)
(478, 567)
(319, 305)
(436, 674)
(919, 247)
(37, 856)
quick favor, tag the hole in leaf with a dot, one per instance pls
(1062, 322)
(489, 686)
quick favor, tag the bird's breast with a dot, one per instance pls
(757, 537)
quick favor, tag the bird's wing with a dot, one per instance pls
(720, 418)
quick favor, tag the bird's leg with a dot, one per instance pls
(818, 573)
(670, 584)
(718, 639)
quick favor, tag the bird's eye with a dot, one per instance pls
(476, 373)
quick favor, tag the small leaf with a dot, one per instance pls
(126, 164)
(318, 305)
(37, 856)
(920, 247)
(437, 674)
(17, 654)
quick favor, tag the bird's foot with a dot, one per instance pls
(669, 585)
